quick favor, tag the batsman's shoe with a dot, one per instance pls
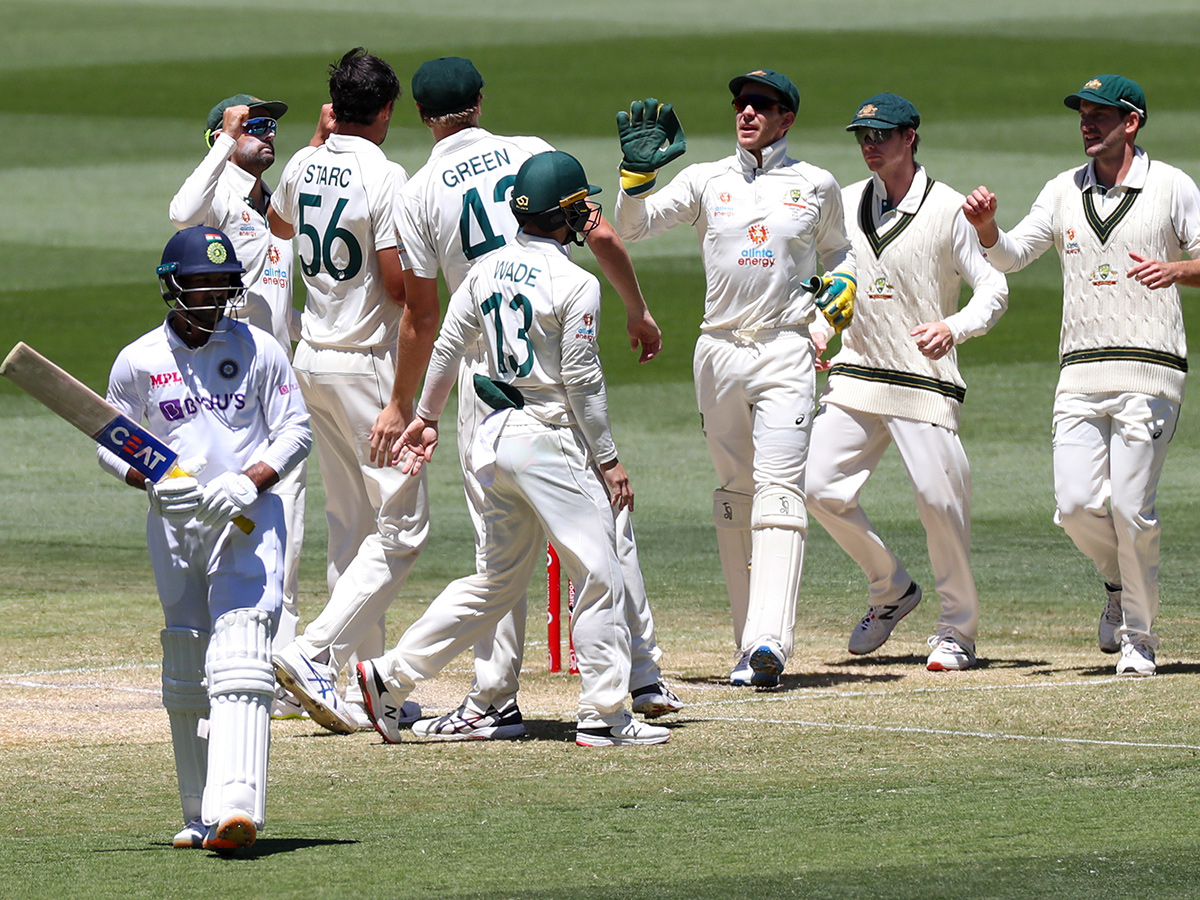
(949, 654)
(410, 711)
(1137, 659)
(767, 662)
(628, 734)
(315, 686)
(742, 673)
(192, 836)
(655, 700)
(876, 626)
(235, 830)
(1111, 621)
(284, 706)
(467, 725)
(386, 714)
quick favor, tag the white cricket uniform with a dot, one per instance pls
(538, 315)
(340, 198)
(912, 260)
(762, 230)
(234, 402)
(1123, 355)
(452, 211)
(217, 194)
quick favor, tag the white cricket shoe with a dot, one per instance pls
(314, 684)
(467, 725)
(385, 713)
(1111, 620)
(630, 733)
(767, 662)
(192, 836)
(876, 626)
(655, 700)
(1137, 659)
(235, 830)
(284, 706)
(949, 654)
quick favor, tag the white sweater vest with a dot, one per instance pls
(905, 276)
(1117, 334)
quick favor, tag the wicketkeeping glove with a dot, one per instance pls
(224, 497)
(835, 298)
(651, 137)
(174, 498)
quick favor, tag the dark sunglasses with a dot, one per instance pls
(873, 135)
(760, 102)
(261, 126)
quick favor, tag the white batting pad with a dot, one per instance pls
(241, 686)
(780, 524)
(731, 515)
(186, 700)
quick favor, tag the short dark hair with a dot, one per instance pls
(360, 86)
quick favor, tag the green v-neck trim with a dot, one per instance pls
(866, 221)
(1103, 228)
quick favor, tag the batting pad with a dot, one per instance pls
(241, 686)
(731, 515)
(779, 525)
(186, 700)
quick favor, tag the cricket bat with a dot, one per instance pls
(74, 401)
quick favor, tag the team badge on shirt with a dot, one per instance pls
(228, 368)
(880, 289)
(1103, 274)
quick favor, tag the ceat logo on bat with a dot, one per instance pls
(138, 447)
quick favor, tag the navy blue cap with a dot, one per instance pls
(199, 250)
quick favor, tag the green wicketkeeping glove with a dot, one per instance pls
(651, 137)
(835, 298)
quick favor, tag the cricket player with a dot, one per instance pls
(544, 459)
(896, 380)
(221, 394)
(1123, 350)
(764, 221)
(226, 191)
(338, 200)
(453, 212)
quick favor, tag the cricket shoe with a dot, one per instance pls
(1111, 621)
(314, 684)
(742, 673)
(767, 662)
(876, 626)
(410, 711)
(1137, 659)
(284, 706)
(235, 830)
(628, 734)
(949, 654)
(192, 836)
(467, 725)
(385, 713)
(655, 700)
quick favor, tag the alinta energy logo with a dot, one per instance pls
(757, 255)
(1070, 245)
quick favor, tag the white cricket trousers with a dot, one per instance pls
(847, 448)
(378, 517)
(756, 394)
(1109, 451)
(543, 486)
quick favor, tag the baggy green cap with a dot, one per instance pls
(1111, 90)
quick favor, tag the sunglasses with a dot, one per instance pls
(261, 126)
(760, 102)
(873, 135)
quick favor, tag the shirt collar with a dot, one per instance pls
(346, 143)
(242, 183)
(457, 141)
(1135, 178)
(542, 244)
(174, 341)
(911, 201)
(773, 156)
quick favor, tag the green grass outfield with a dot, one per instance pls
(1036, 774)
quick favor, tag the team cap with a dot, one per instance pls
(771, 78)
(547, 180)
(199, 250)
(446, 85)
(273, 108)
(885, 111)
(1111, 90)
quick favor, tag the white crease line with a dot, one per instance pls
(75, 670)
(78, 687)
(904, 729)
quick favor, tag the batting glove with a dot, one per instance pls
(226, 496)
(174, 498)
(835, 298)
(651, 137)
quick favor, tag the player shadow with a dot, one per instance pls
(793, 681)
(264, 846)
(1108, 670)
(556, 730)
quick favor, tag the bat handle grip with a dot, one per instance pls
(245, 524)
